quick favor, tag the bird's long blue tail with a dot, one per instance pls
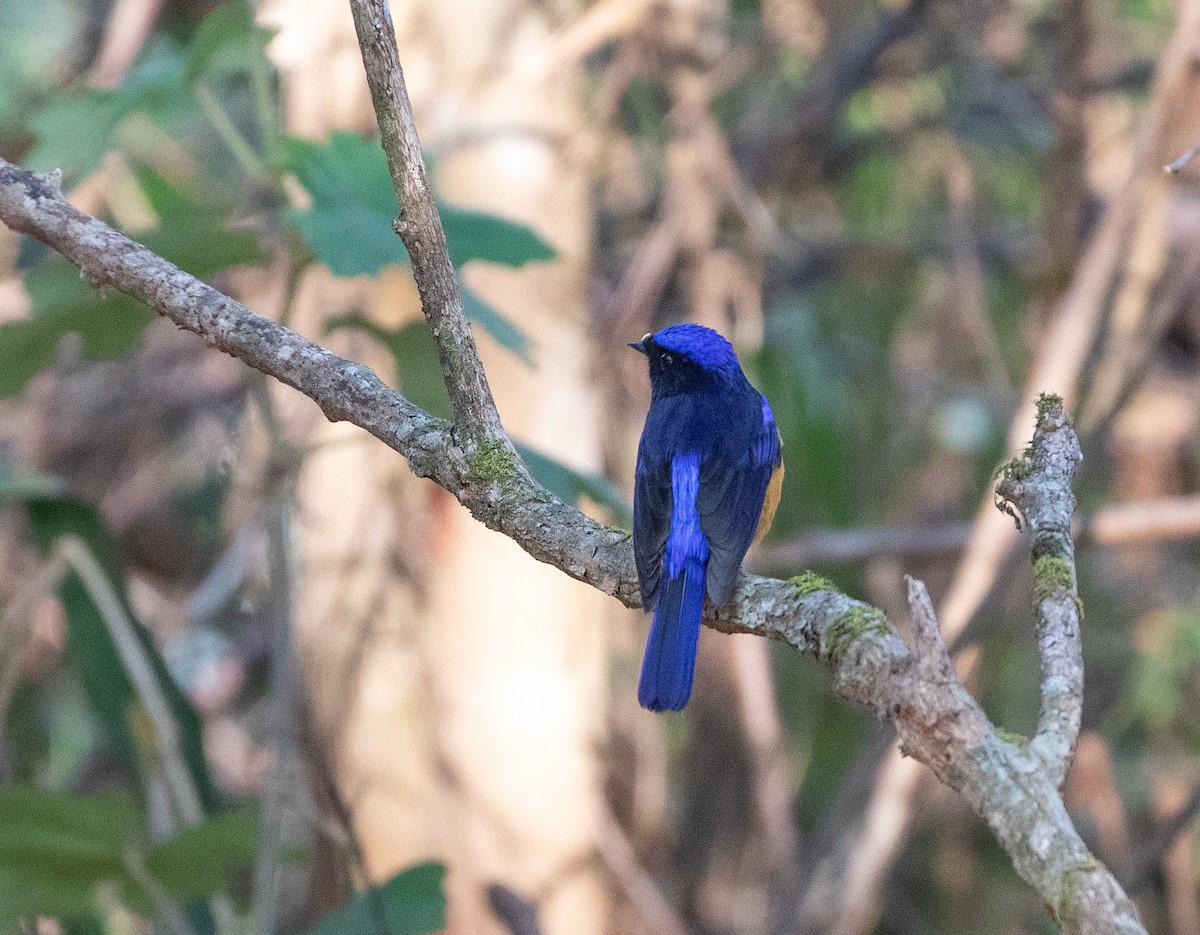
(670, 659)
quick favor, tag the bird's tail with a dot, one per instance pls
(670, 659)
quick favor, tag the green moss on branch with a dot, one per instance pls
(1008, 736)
(859, 621)
(810, 583)
(1049, 574)
(1048, 403)
(492, 461)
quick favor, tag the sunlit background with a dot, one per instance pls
(909, 218)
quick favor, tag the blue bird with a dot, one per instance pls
(709, 476)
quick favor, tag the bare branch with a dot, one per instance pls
(1039, 486)
(476, 421)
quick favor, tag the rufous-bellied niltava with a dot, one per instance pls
(709, 475)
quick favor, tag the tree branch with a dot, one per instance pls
(1039, 486)
(420, 227)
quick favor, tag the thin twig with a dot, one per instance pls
(517, 913)
(250, 161)
(420, 227)
(770, 768)
(933, 661)
(1057, 364)
(125, 30)
(492, 482)
(1178, 164)
(285, 691)
(76, 555)
(643, 893)
(330, 798)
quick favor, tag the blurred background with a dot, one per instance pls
(909, 217)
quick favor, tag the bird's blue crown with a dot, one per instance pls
(703, 346)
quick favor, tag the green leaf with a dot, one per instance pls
(349, 225)
(36, 821)
(94, 658)
(506, 334)
(57, 848)
(473, 235)
(75, 130)
(228, 41)
(193, 229)
(571, 486)
(411, 903)
(196, 863)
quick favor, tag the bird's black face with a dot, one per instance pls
(671, 371)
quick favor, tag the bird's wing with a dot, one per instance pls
(733, 483)
(651, 519)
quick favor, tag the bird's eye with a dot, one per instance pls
(668, 359)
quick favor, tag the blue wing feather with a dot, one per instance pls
(732, 488)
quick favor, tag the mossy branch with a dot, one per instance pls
(1041, 492)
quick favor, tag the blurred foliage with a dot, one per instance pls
(59, 850)
(190, 230)
(96, 659)
(349, 225)
(411, 903)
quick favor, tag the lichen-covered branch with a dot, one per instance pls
(1013, 787)
(1038, 485)
(476, 421)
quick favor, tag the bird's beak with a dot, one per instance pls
(640, 346)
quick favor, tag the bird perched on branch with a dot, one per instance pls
(709, 476)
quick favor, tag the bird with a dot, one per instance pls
(707, 485)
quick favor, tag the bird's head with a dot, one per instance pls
(688, 357)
